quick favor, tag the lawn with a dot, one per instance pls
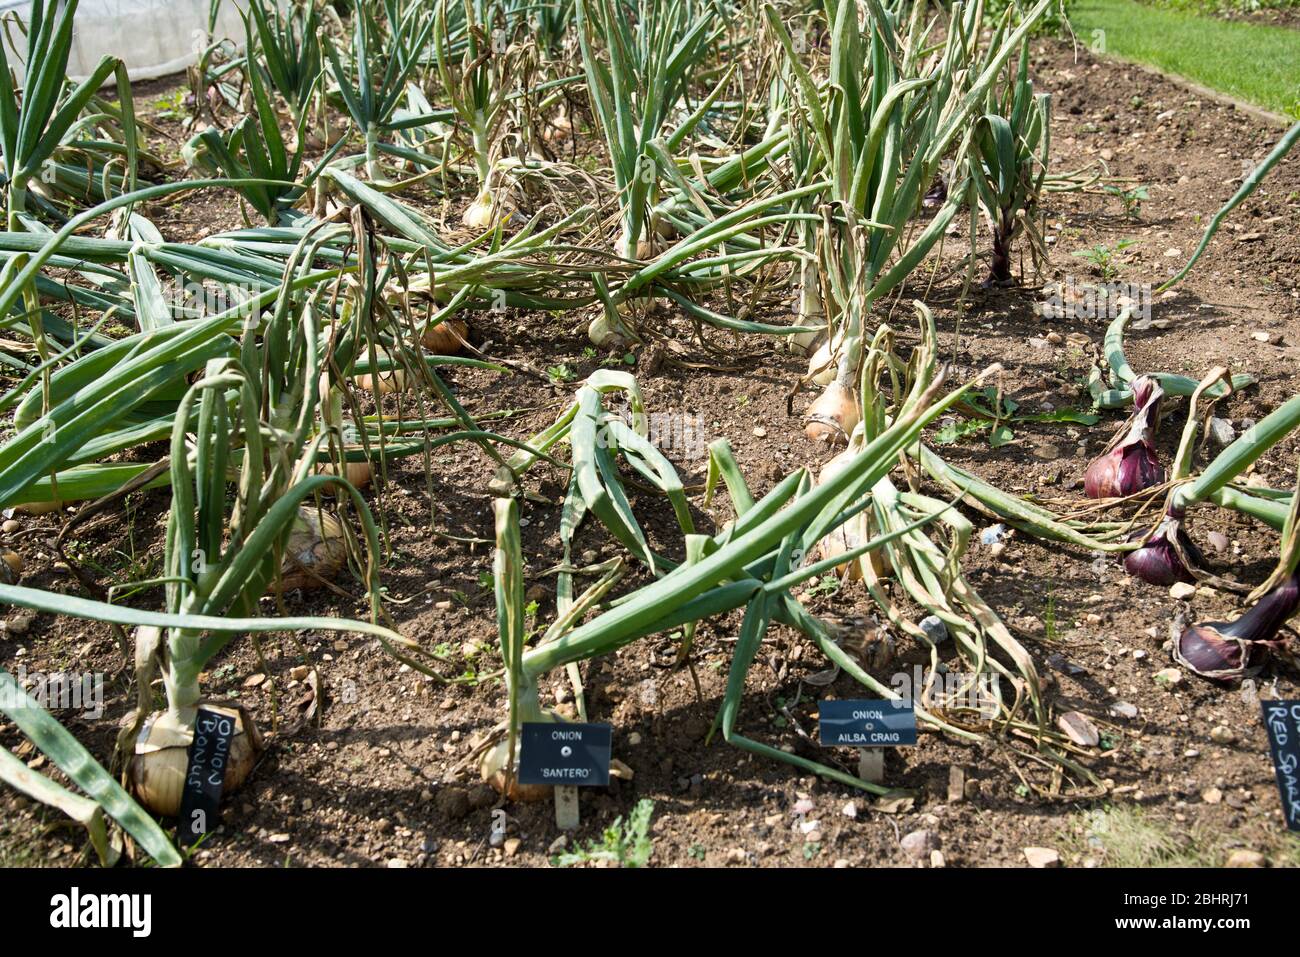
(1259, 64)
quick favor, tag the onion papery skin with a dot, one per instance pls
(357, 474)
(1158, 561)
(1224, 650)
(1205, 651)
(316, 542)
(160, 762)
(492, 768)
(447, 338)
(1131, 464)
(833, 415)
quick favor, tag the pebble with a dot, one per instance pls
(1124, 709)
(299, 672)
(559, 844)
(1223, 735)
(840, 864)
(1181, 590)
(634, 739)
(252, 681)
(1245, 858)
(1218, 541)
(936, 859)
(736, 856)
(850, 810)
(1260, 336)
(398, 863)
(934, 629)
(1042, 857)
(1211, 795)
(1078, 727)
(1170, 676)
(1221, 432)
(9, 526)
(919, 844)
(956, 784)
(512, 846)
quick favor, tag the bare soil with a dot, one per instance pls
(373, 778)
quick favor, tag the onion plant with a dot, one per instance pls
(753, 563)
(382, 61)
(881, 125)
(1009, 166)
(38, 126)
(638, 59)
(288, 46)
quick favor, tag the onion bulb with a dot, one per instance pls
(602, 333)
(1163, 557)
(479, 214)
(492, 767)
(357, 474)
(1130, 463)
(821, 365)
(833, 415)
(1222, 650)
(558, 129)
(315, 550)
(34, 508)
(385, 381)
(11, 567)
(161, 759)
(852, 533)
(446, 338)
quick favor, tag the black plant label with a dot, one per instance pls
(866, 723)
(1282, 719)
(565, 755)
(205, 775)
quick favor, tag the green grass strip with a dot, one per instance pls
(1253, 62)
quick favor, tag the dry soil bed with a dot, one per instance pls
(370, 781)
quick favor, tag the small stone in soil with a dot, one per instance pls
(1169, 676)
(1042, 857)
(956, 784)
(1123, 709)
(918, 844)
(1078, 727)
(934, 629)
(1223, 735)
(1245, 858)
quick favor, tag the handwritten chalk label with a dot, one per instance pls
(576, 755)
(205, 776)
(866, 724)
(1282, 719)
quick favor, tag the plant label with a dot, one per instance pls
(866, 723)
(205, 775)
(572, 755)
(1282, 719)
